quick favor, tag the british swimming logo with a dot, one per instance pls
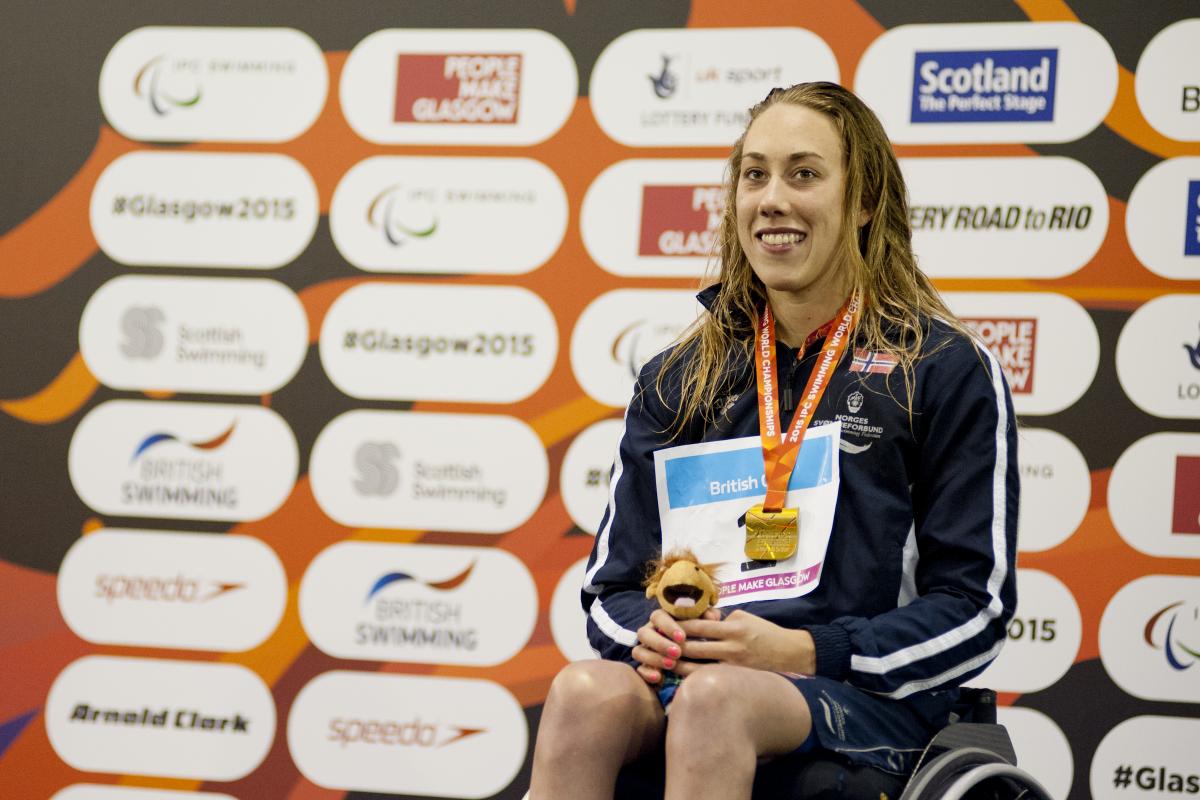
(984, 85)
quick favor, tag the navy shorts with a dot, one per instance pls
(871, 730)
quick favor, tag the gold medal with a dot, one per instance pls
(771, 535)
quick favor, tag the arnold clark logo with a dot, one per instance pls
(458, 86)
(171, 589)
(220, 335)
(178, 719)
(1168, 384)
(421, 603)
(402, 734)
(1043, 636)
(214, 84)
(654, 217)
(692, 87)
(398, 342)
(1159, 516)
(398, 214)
(1042, 217)
(245, 210)
(1031, 335)
(1162, 219)
(620, 331)
(1147, 756)
(183, 460)
(969, 83)
(449, 472)
(1150, 638)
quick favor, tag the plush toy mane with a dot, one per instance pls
(658, 567)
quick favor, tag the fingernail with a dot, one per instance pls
(677, 636)
(673, 651)
(669, 663)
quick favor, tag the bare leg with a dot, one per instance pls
(722, 720)
(598, 716)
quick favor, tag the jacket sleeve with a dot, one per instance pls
(630, 533)
(962, 590)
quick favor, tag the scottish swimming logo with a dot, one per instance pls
(984, 85)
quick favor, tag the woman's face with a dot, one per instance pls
(789, 202)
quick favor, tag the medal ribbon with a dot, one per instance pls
(779, 454)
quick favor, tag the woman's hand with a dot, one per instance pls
(660, 645)
(746, 640)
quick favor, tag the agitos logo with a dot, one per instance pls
(1182, 621)
(637, 343)
(393, 211)
(152, 83)
(680, 220)
(473, 88)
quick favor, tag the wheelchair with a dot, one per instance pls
(970, 759)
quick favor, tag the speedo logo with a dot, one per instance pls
(173, 589)
(394, 733)
(984, 85)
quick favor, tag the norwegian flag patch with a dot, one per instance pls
(872, 361)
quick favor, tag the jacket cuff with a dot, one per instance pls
(832, 644)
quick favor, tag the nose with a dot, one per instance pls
(773, 201)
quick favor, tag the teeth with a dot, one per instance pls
(780, 238)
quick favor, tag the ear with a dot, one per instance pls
(864, 216)
(651, 589)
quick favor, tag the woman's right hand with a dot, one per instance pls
(660, 643)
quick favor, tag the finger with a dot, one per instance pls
(651, 676)
(667, 625)
(655, 641)
(713, 614)
(711, 650)
(653, 660)
(706, 628)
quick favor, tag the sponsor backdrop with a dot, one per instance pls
(318, 321)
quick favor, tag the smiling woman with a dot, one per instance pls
(861, 580)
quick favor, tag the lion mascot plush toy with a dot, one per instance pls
(684, 587)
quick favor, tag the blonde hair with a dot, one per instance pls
(897, 298)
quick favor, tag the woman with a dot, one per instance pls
(878, 573)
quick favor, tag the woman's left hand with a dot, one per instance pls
(746, 640)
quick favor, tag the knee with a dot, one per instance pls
(592, 690)
(708, 694)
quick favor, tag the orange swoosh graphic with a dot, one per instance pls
(52, 243)
(1125, 117)
(61, 398)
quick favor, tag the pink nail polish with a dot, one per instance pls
(673, 651)
(669, 663)
(677, 636)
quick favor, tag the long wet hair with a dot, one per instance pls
(897, 298)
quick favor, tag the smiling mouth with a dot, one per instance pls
(683, 596)
(777, 239)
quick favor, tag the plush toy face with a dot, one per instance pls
(684, 590)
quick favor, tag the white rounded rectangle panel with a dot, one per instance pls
(194, 591)
(409, 735)
(418, 603)
(477, 473)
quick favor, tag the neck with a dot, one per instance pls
(797, 316)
